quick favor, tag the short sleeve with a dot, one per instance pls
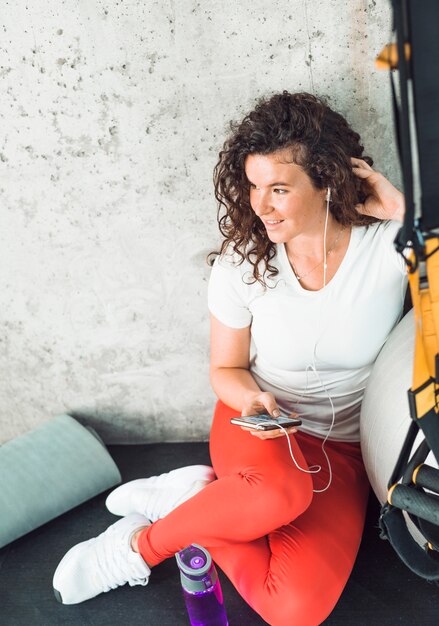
(227, 294)
(389, 230)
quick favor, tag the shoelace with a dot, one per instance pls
(113, 566)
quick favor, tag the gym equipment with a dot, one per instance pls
(413, 485)
(385, 412)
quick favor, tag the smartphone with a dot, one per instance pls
(254, 421)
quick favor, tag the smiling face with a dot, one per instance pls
(283, 197)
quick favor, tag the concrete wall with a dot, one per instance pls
(113, 114)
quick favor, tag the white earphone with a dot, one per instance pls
(325, 265)
(314, 469)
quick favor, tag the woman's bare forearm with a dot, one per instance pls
(233, 385)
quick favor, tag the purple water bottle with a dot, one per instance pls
(201, 587)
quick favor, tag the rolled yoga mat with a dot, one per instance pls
(47, 472)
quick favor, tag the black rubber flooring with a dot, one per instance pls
(380, 592)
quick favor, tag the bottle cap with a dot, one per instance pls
(197, 571)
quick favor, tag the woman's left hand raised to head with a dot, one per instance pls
(383, 200)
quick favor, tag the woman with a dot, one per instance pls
(302, 297)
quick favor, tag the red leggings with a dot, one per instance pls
(288, 551)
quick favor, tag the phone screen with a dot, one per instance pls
(254, 421)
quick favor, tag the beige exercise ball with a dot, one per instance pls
(385, 416)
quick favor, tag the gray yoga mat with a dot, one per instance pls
(47, 472)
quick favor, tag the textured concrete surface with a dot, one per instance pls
(112, 116)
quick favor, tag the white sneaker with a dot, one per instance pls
(156, 496)
(101, 564)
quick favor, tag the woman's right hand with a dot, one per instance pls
(257, 402)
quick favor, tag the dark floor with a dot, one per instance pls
(380, 592)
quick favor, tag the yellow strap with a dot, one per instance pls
(421, 371)
(426, 309)
(433, 278)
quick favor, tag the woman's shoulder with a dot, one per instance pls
(232, 266)
(230, 257)
(386, 229)
(239, 267)
(380, 237)
(237, 259)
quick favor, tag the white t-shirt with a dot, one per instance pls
(313, 347)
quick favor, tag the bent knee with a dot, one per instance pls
(285, 494)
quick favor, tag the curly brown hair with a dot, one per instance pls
(320, 141)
